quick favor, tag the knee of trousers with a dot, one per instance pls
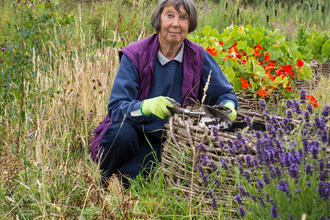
(120, 136)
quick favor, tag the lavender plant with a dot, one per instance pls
(292, 166)
(288, 175)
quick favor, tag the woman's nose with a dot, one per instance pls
(176, 21)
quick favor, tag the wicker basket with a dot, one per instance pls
(181, 157)
(313, 82)
(324, 69)
(247, 101)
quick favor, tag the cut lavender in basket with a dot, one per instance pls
(290, 165)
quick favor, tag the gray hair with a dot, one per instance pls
(188, 5)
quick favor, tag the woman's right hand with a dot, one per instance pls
(157, 106)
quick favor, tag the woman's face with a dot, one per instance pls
(174, 25)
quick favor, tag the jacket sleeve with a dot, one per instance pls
(123, 97)
(219, 90)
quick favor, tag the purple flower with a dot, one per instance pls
(202, 148)
(326, 111)
(309, 108)
(254, 198)
(308, 184)
(260, 184)
(262, 201)
(203, 174)
(283, 186)
(210, 193)
(274, 211)
(309, 169)
(321, 165)
(262, 104)
(238, 199)
(323, 176)
(214, 203)
(248, 121)
(3, 49)
(324, 190)
(294, 171)
(278, 172)
(267, 198)
(90, 115)
(241, 211)
(303, 94)
(4, 85)
(298, 190)
(266, 178)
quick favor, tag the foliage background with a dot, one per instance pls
(59, 93)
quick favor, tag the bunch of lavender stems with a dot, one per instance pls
(289, 173)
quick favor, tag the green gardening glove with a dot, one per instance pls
(157, 106)
(233, 113)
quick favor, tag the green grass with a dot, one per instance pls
(52, 176)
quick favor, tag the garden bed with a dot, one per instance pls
(181, 160)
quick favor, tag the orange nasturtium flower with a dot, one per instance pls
(312, 100)
(300, 63)
(211, 41)
(212, 51)
(263, 92)
(245, 84)
(266, 57)
(221, 43)
(257, 53)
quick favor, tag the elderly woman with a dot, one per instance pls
(163, 66)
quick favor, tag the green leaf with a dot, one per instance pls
(17, 60)
(234, 34)
(15, 121)
(305, 72)
(326, 51)
(39, 6)
(205, 44)
(229, 63)
(206, 31)
(276, 36)
(31, 96)
(237, 84)
(214, 32)
(17, 95)
(230, 74)
(258, 37)
(275, 53)
(278, 79)
(249, 51)
(241, 45)
(258, 70)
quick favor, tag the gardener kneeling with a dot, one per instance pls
(165, 65)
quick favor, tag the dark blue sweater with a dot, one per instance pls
(167, 82)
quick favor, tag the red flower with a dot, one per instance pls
(243, 62)
(289, 87)
(221, 43)
(300, 63)
(266, 57)
(245, 84)
(239, 56)
(312, 100)
(257, 53)
(263, 92)
(258, 47)
(212, 51)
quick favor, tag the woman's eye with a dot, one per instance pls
(184, 18)
(169, 15)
